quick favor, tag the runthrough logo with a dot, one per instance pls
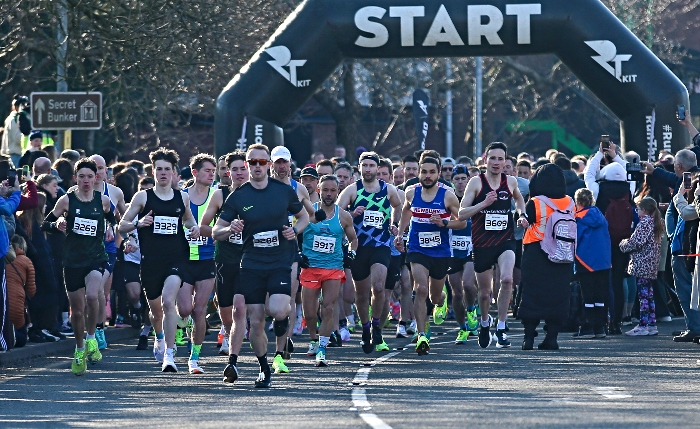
(286, 66)
(607, 53)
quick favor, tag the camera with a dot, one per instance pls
(634, 171)
(605, 141)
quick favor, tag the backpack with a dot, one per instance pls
(620, 217)
(559, 241)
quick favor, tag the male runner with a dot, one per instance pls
(429, 208)
(223, 172)
(343, 171)
(199, 274)
(259, 210)
(82, 212)
(162, 212)
(461, 272)
(323, 265)
(487, 200)
(309, 178)
(370, 201)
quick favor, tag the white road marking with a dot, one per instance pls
(609, 392)
(374, 421)
(359, 395)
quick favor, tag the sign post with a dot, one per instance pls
(66, 110)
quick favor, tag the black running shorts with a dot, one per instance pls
(197, 271)
(227, 283)
(457, 264)
(393, 273)
(366, 257)
(485, 258)
(153, 275)
(255, 285)
(437, 267)
(131, 272)
(75, 276)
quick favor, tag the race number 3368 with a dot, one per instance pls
(496, 222)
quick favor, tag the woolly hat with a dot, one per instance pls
(614, 172)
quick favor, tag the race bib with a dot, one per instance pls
(324, 244)
(373, 218)
(266, 239)
(84, 226)
(165, 225)
(292, 220)
(460, 242)
(496, 222)
(201, 241)
(236, 238)
(429, 239)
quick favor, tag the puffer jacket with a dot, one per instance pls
(645, 250)
(19, 276)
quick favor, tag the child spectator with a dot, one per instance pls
(645, 249)
(20, 286)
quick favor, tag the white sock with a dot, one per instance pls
(485, 323)
(137, 305)
(65, 317)
(351, 320)
(222, 331)
(501, 325)
(323, 341)
(90, 337)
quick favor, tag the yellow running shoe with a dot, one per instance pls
(279, 366)
(462, 336)
(440, 311)
(422, 345)
(79, 365)
(180, 339)
(383, 347)
(92, 351)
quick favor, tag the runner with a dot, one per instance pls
(199, 274)
(371, 201)
(81, 213)
(162, 212)
(429, 209)
(223, 172)
(259, 210)
(323, 272)
(488, 200)
(461, 272)
(346, 317)
(309, 178)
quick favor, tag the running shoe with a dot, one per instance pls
(485, 335)
(411, 328)
(414, 338)
(288, 349)
(335, 340)
(638, 331)
(143, 342)
(264, 380)
(366, 342)
(271, 327)
(79, 365)
(502, 341)
(193, 366)
(387, 323)
(422, 345)
(230, 373)
(92, 352)
(383, 347)
(168, 363)
(66, 329)
(159, 350)
(351, 329)
(119, 322)
(401, 331)
(219, 339)
(462, 336)
(321, 358)
(48, 336)
(377, 339)
(472, 320)
(298, 328)
(344, 334)
(180, 339)
(313, 348)
(440, 312)
(101, 340)
(223, 350)
(652, 330)
(279, 366)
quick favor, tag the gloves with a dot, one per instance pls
(349, 259)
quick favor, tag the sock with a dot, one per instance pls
(90, 337)
(299, 313)
(343, 323)
(501, 325)
(80, 349)
(471, 308)
(160, 336)
(222, 331)
(351, 320)
(65, 317)
(366, 326)
(233, 359)
(100, 326)
(137, 305)
(463, 326)
(485, 323)
(264, 366)
(375, 322)
(169, 351)
(280, 327)
(145, 330)
(194, 354)
(323, 341)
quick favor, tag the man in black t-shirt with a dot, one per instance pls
(259, 210)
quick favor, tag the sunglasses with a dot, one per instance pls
(261, 162)
(447, 168)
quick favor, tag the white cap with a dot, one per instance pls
(280, 152)
(614, 172)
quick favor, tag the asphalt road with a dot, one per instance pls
(618, 382)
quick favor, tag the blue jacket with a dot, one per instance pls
(7, 208)
(593, 248)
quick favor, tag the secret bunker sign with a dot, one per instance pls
(66, 110)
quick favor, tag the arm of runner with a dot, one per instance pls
(468, 210)
(452, 204)
(137, 205)
(347, 197)
(188, 220)
(304, 198)
(215, 203)
(121, 204)
(52, 219)
(519, 202)
(349, 229)
(109, 217)
(405, 218)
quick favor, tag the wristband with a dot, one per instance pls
(445, 222)
(294, 228)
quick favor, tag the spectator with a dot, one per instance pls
(51, 151)
(110, 155)
(524, 169)
(573, 183)
(339, 152)
(64, 168)
(17, 128)
(41, 165)
(71, 155)
(35, 139)
(20, 287)
(9, 200)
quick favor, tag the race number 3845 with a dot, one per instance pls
(496, 222)
(429, 239)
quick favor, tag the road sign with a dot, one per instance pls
(66, 110)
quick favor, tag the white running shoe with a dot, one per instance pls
(344, 334)
(411, 329)
(652, 330)
(298, 329)
(313, 348)
(271, 327)
(159, 350)
(638, 331)
(401, 331)
(168, 363)
(224, 347)
(194, 367)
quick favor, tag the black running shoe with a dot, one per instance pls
(335, 340)
(264, 380)
(143, 343)
(484, 336)
(231, 374)
(377, 336)
(367, 345)
(502, 341)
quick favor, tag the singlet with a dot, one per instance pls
(493, 225)
(462, 239)
(134, 256)
(110, 246)
(372, 227)
(84, 245)
(230, 251)
(323, 242)
(201, 248)
(424, 237)
(165, 239)
(292, 220)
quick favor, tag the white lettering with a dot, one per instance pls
(362, 22)
(258, 133)
(442, 30)
(489, 30)
(523, 12)
(407, 13)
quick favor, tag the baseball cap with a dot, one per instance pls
(280, 152)
(309, 171)
(448, 160)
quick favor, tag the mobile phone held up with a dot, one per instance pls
(681, 112)
(687, 180)
(605, 141)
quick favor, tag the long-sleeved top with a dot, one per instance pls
(593, 246)
(672, 181)
(19, 276)
(31, 200)
(8, 206)
(645, 250)
(590, 173)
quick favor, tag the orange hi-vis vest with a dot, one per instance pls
(537, 226)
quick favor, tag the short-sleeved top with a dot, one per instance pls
(229, 251)
(264, 213)
(493, 225)
(372, 227)
(164, 241)
(85, 232)
(201, 248)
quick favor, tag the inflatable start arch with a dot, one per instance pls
(622, 72)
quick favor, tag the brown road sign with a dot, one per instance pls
(66, 110)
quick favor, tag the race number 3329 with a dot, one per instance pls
(496, 222)
(165, 225)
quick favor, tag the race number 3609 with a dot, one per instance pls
(496, 222)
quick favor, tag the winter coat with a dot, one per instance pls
(645, 250)
(46, 285)
(593, 249)
(19, 288)
(573, 183)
